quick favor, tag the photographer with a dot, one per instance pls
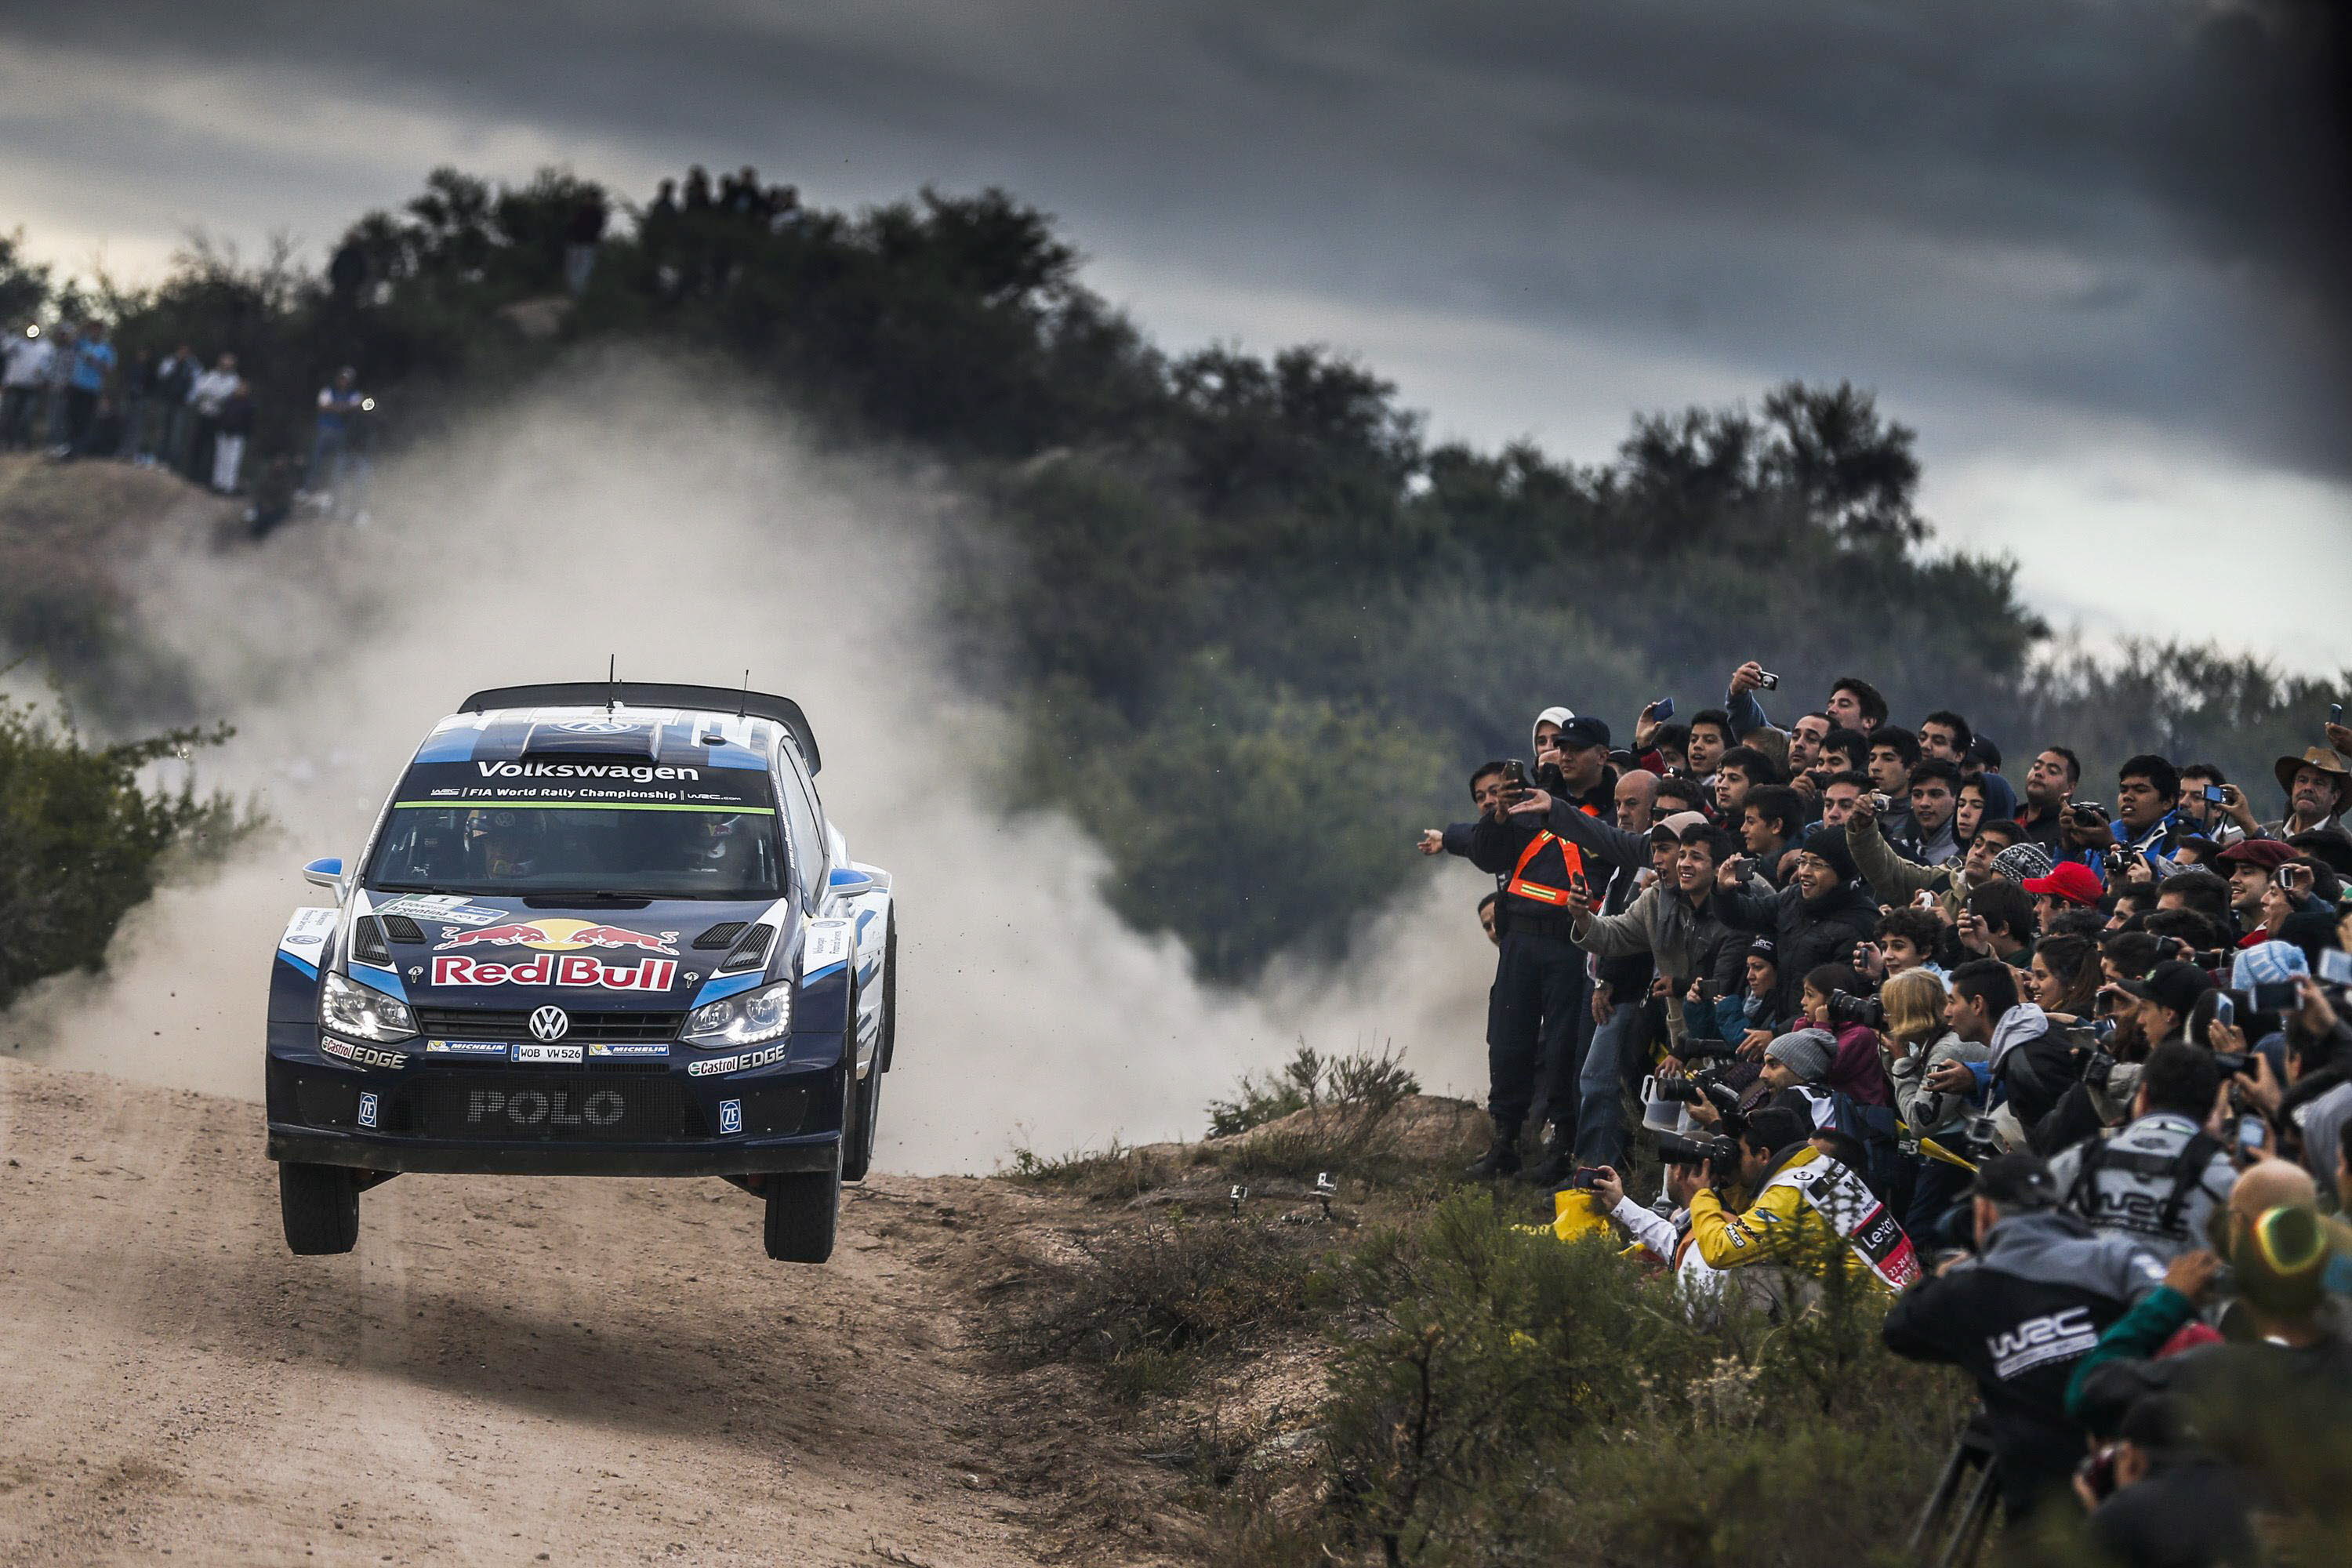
(2159, 1180)
(2026, 1068)
(2050, 787)
(2018, 1315)
(1816, 920)
(1691, 1165)
(2139, 840)
(2270, 1401)
(1810, 1213)
(1899, 882)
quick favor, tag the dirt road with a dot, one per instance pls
(506, 1371)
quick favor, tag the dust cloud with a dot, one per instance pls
(628, 510)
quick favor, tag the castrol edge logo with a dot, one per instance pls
(573, 969)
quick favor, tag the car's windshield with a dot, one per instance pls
(581, 824)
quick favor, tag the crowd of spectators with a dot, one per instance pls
(2070, 1082)
(65, 392)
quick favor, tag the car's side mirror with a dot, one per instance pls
(326, 871)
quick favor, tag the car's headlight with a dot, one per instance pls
(361, 1012)
(742, 1020)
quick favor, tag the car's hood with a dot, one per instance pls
(507, 953)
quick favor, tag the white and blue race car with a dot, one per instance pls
(599, 929)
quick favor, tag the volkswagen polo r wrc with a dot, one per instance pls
(599, 929)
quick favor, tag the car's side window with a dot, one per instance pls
(807, 829)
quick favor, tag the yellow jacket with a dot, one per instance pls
(1779, 1226)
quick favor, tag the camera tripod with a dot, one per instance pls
(1952, 1529)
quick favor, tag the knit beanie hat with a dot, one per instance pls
(1830, 844)
(1807, 1053)
(2019, 861)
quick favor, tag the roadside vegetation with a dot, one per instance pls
(85, 833)
(1417, 1371)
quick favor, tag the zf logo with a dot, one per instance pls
(548, 1108)
(367, 1110)
(731, 1116)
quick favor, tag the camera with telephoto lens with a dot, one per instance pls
(1705, 1083)
(1846, 1008)
(1722, 1154)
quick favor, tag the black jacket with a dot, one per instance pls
(1496, 847)
(1809, 933)
(2017, 1319)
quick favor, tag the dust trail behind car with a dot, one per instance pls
(630, 513)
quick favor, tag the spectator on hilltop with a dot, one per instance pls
(232, 426)
(208, 393)
(23, 385)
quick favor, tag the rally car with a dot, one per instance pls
(599, 929)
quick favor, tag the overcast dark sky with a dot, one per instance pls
(2092, 248)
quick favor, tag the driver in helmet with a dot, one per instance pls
(501, 845)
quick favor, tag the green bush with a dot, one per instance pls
(1147, 1303)
(81, 837)
(1502, 1398)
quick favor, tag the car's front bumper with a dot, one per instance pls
(497, 1117)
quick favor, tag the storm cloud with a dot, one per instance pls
(2040, 229)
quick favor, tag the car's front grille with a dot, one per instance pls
(489, 1024)
(554, 1107)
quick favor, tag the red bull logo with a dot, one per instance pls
(572, 969)
(547, 935)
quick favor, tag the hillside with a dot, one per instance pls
(1252, 623)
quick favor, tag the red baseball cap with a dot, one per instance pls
(2070, 880)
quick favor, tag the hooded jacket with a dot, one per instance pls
(1551, 716)
(2032, 1066)
(2018, 1319)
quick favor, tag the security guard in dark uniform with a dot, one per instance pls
(1539, 979)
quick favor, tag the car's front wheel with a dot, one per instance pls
(857, 1138)
(803, 1209)
(320, 1205)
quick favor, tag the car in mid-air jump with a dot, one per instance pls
(599, 929)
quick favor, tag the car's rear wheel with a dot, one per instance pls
(803, 1208)
(320, 1205)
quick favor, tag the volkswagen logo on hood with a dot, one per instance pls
(550, 1023)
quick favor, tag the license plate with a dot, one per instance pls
(534, 1051)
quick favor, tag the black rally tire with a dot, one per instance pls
(858, 1136)
(320, 1205)
(803, 1209)
(888, 1044)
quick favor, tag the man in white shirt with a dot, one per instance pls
(26, 356)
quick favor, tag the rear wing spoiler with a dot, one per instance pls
(655, 694)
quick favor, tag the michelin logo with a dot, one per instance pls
(634, 772)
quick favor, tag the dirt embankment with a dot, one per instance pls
(508, 1371)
